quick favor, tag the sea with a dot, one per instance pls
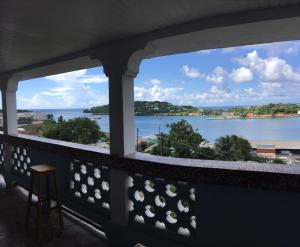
(287, 129)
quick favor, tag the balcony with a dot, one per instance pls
(163, 201)
(120, 197)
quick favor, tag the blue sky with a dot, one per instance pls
(248, 75)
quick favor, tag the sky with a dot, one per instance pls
(239, 76)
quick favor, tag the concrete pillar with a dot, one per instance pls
(10, 126)
(121, 65)
(121, 114)
(9, 106)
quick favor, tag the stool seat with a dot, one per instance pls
(38, 172)
(44, 169)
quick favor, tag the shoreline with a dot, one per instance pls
(254, 117)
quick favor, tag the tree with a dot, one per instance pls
(233, 148)
(278, 161)
(79, 130)
(182, 141)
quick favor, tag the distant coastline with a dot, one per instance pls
(157, 108)
(256, 117)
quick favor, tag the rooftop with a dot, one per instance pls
(276, 144)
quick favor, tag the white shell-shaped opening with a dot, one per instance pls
(149, 212)
(139, 196)
(171, 190)
(97, 173)
(160, 201)
(193, 222)
(149, 186)
(130, 182)
(184, 231)
(139, 219)
(90, 181)
(105, 205)
(77, 194)
(130, 205)
(97, 194)
(91, 199)
(181, 207)
(192, 194)
(83, 189)
(160, 225)
(105, 186)
(71, 166)
(72, 185)
(83, 169)
(170, 217)
(77, 177)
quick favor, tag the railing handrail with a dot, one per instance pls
(235, 173)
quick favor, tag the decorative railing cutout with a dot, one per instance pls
(163, 204)
(90, 182)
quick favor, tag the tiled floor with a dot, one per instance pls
(13, 234)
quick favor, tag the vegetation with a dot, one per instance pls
(183, 142)
(101, 110)
(270, 109)
(150, 108)
(278, 161)
(19, 111)
(78, 130)
(34, 129)
(233, 148)
(147, 108)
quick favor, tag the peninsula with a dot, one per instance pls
(157, 108)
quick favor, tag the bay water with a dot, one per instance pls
(287, 129)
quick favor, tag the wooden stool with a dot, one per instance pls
(46, 171)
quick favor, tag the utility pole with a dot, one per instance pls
(161, 141)
(137, 139)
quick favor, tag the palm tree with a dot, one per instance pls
(233, 148)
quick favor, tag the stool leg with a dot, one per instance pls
(48, 195)
(29, 202)
(38, 207)
(58, 203)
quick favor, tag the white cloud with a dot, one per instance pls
(36, 101)
(209, 51)
(78, 76)
(217, 76)
(190, 72)
(72, 89)
(242, 74)
(271, 69)
(154, 81)
(155, 93)
(272, 49)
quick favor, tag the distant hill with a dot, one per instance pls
(270, 109)
(150, 108)
(157, 108)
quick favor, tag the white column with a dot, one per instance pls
(9, 105)
(121, 114)
(10, 126)
(122, 140)
(9, 112)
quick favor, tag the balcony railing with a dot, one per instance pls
(171, 202)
